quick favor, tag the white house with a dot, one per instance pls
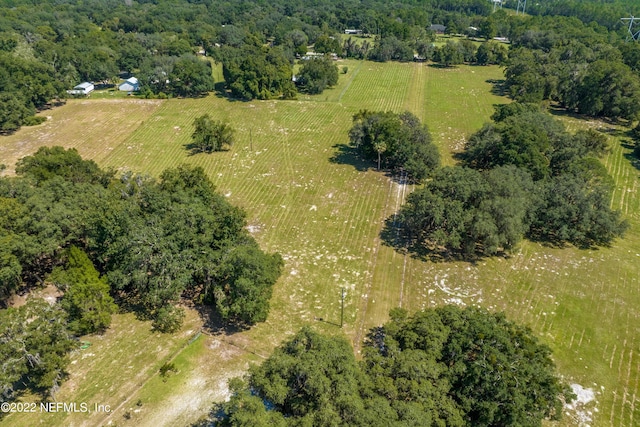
(82, 89)
(129, 85)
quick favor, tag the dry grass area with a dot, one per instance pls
(93, 127)
(310, 199)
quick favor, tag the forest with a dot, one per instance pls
(554, 55)
(121, 241)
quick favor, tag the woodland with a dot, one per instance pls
(125, 241)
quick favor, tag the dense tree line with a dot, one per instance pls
(256, 72)
(142, 242)
(523, 175)
(61, 44)
(445, 366)
(575, 65)
(47, 50)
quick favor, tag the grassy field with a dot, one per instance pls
(308, 198)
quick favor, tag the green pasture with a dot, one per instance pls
(308, 197)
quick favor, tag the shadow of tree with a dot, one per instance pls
(393, 235)
(195, 149)
(498, 87)
(348, 155)
(633, 159)
(214, 324)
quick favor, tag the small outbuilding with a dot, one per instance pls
(438, 28)
(82, 89)
(130, 85)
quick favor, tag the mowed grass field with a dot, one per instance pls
(310, 199)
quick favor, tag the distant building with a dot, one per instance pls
(82, 89)
(351, 31)
(130, 85)
(438, 28)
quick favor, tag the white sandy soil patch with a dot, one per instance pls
(194, 400)
(582, 408)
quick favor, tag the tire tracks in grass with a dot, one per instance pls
(398, 186)
(415, 102)
(353, 76)
(364, 303)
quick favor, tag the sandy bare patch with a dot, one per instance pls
(581, 410)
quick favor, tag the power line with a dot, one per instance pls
(635, 36)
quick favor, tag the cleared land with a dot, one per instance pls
(310, 199)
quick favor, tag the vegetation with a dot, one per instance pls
(35, 346)
(152, 240)
(470, 211)
(445, 366)
(256, 72)
(536, 180)
(317, 74)
(583, 74)
(400, 140)
(575, 201)
(210, 135)
(86, 296)
(564, 294)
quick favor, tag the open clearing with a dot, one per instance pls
(308, 198)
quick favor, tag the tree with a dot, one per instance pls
(49, 162)
(440, 367)
(13, 112)
(210, 135)
(525, 140)
(425, 49)
(391, 49)
(191, 77)
(34, 347)
(317, 74)
(327, 44)
(244, 281)
(86, 296)
(577, 212)
(609, 89)
(256, 72)
(449, 54)
(398, 140)
(487, 359)
(472, 213)
(488, 29)
(491, 53)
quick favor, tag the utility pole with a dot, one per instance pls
(632, 36)
(342, 309)
(523, 4)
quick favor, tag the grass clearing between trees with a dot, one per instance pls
(310, 199)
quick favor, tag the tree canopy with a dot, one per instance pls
(149, 243)
(317, 74)
(443, 366)
(523, 175)
(153, 240)
(210, 135)
(399, 141)
(86, 295)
